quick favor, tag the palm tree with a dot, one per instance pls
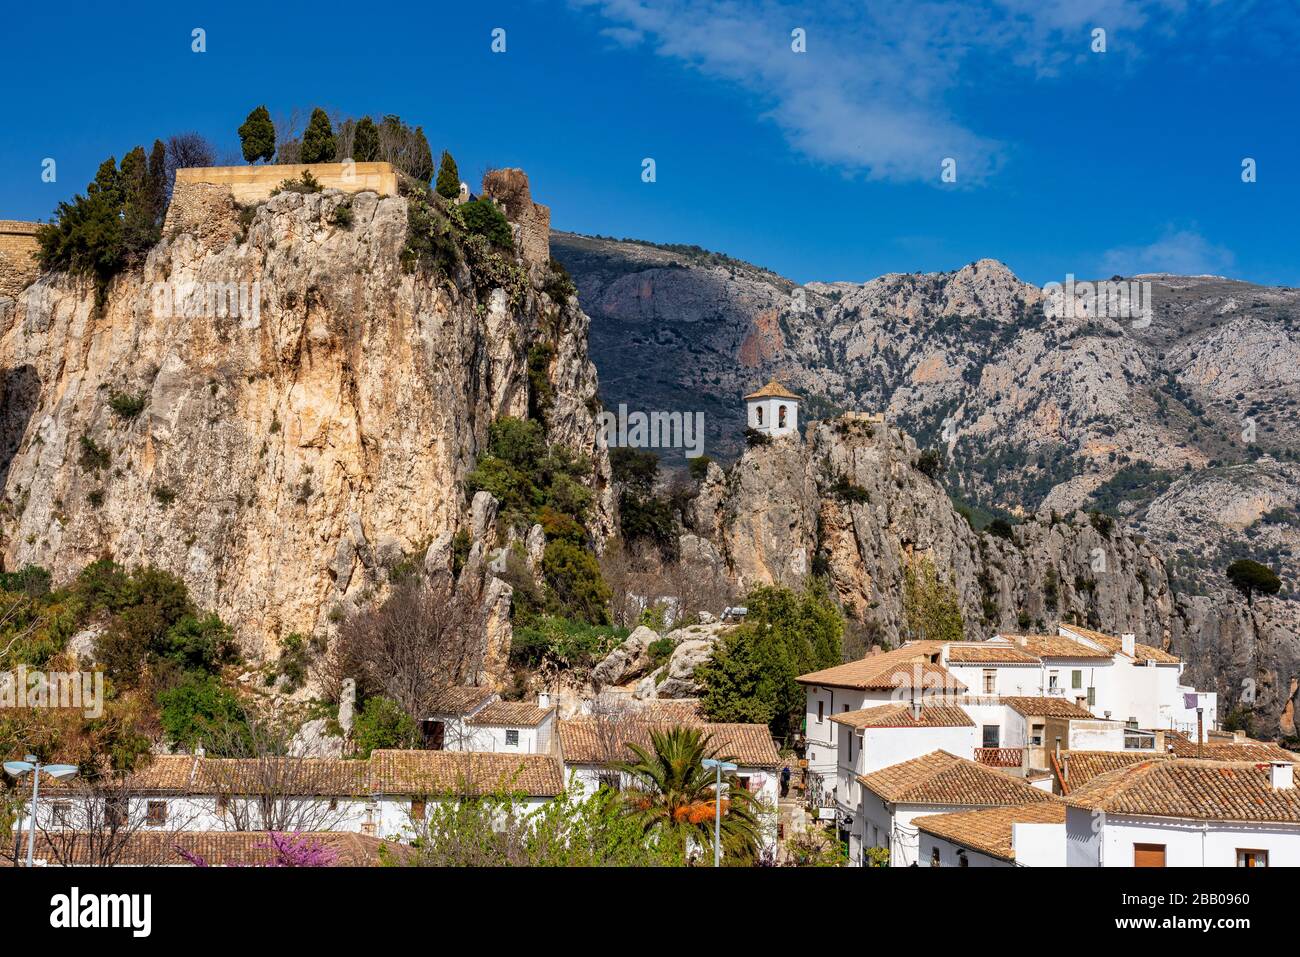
(671, 794)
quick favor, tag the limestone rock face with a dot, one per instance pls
(628, 660)
(851, 498)
(289, 451)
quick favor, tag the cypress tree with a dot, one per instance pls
(448, 177)
(318, 144)
(421, 156)
(365, 142)
(257, 136)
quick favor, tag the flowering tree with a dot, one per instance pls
(288, 850)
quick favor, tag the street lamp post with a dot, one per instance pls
(32, 765)
(718, 767)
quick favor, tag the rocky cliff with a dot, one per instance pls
(848, 500)
(274, 407)
(1183, 428)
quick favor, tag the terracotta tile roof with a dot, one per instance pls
(514, 714)
(217, 848)
(884, 671)
(1191, 789)
(1082, 766)
(594, 741)
(900, 716)
(327, 777)
(1115, 645)
(943, 778)
(163, 773)
(1054, 646)
(1228, 750)
(974, 653)
(460, 700)
(1045, 707)
(673, 710)
(773, 390)
(464, 772)
(989, 831)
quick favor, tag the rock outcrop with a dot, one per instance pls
(277, 411)
(849, 500)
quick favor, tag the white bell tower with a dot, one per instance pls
(773, 410)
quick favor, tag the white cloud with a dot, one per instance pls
(869, 96)
(1181, 252)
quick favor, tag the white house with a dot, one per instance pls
(1185, 812)
(476, 719)
(936, 783)
(910, 672)
(590, 746)
(383, 796)
(773, 410)
(1022, 835)
(1148, 689)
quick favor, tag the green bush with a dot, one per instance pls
(575, 587)
(343, 216)
(482, 218)
(930, 463)
(698, 467)
(563, 641)
(200, 711)
(93, 458)
(126, 406)
(382, 724)
(559, 284)
(306, 184)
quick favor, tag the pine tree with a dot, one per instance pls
(257, 136)
(365, 142)
(318, 144)
(448, 177)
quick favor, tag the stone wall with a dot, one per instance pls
(509, 187)
(254, 184)
(17, 256)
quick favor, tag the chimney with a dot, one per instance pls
(1127, 643)
(1238, 737)
(875, 650)
(916, 710)
(543, 699)
(1281, 775)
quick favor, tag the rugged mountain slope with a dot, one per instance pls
(850, 500)
(281, 461)
(1039, 410)
(1184, 428)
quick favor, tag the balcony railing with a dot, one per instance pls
(1000, 757)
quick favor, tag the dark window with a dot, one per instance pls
(62, 813)
(512, 738)
(781, 417)
(758, 414)
(821, 711)
(992, 735)
(417, 810)
(156, 813)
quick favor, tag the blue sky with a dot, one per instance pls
(822, 165)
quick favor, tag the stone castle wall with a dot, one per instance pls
(532, 221)
(254, 184)
(17, 256)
